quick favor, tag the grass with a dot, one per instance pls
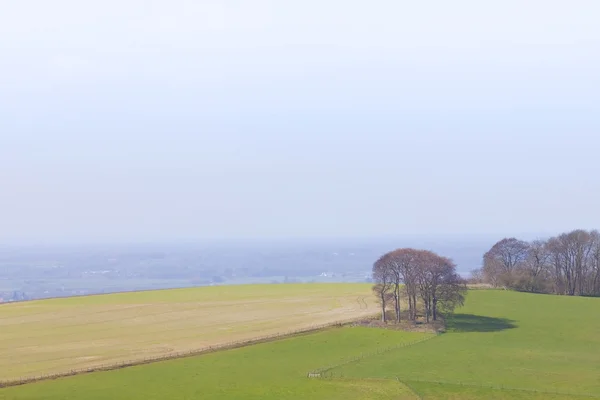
(501, 345)
(436, 391)
(274, 370)
(50, 336)
(499, 340)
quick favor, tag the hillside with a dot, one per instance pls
(501, 345)
(502, 340)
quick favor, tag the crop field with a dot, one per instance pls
(501, 345)
(50, 336)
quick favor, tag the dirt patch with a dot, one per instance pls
(404, 325)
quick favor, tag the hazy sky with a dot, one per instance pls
(146, 120)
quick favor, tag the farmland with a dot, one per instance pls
(502, 340)
(501, 345)
(275, 370)
(50, 336)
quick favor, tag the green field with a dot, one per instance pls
(501, 345)
(275, 370)
(503, 340)
(59, 335)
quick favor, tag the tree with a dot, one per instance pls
(452, 293)
(568, 264)
(395, 270)
(405, 265)
(492, 271)
(571, 255)
(533, 273)
(424, 273)
(383, 279)
(595, 263)
(509, 252)
(476, 276)
(503, 258)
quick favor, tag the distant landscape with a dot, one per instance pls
(303, 200)
(410, 327)
(36, 272)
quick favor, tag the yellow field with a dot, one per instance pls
(60, 335)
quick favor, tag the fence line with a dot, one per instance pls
(174, 355)
(321, 372)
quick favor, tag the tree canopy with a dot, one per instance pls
(418, 275)
(567, 264)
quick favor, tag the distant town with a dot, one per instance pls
(28, 273)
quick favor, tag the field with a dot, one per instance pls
(275, 370)
(59, 335)
(501, 345)
(502, 340)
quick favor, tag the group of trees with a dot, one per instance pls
(566, 264)
(417, 275)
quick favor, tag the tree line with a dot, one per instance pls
(419, 276)
(567, 264)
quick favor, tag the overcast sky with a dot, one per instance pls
(139, 120)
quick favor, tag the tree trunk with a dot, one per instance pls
(415, 308)
(383, 318)
(434, 309)
(397, 299)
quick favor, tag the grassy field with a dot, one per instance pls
(275, 370)
(58, 335)
(501, 345)
(502, 340)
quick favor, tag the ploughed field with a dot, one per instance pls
(501, 345)
(60, 335)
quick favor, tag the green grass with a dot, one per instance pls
(504, 339)
(435, 391)
(274, 370)
(501, 345)
(53, 336)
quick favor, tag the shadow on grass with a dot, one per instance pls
(478, 323)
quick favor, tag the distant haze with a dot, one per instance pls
(186, 120)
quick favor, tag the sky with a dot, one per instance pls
(137, 120)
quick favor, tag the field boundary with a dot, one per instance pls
(411, 388)
(176, 355)
(407, 383)
(322, 372)
(501, 387)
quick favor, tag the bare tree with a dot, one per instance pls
(396, 272)
(565, 264)
(425, 274)
(503, 258)
(492, 272)
(451, 293)
(509, 252)
(570, 254)
(405, 262)
(476, 276)
(595, 262)
(431, 271)
(383, 278)
(532, 275)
